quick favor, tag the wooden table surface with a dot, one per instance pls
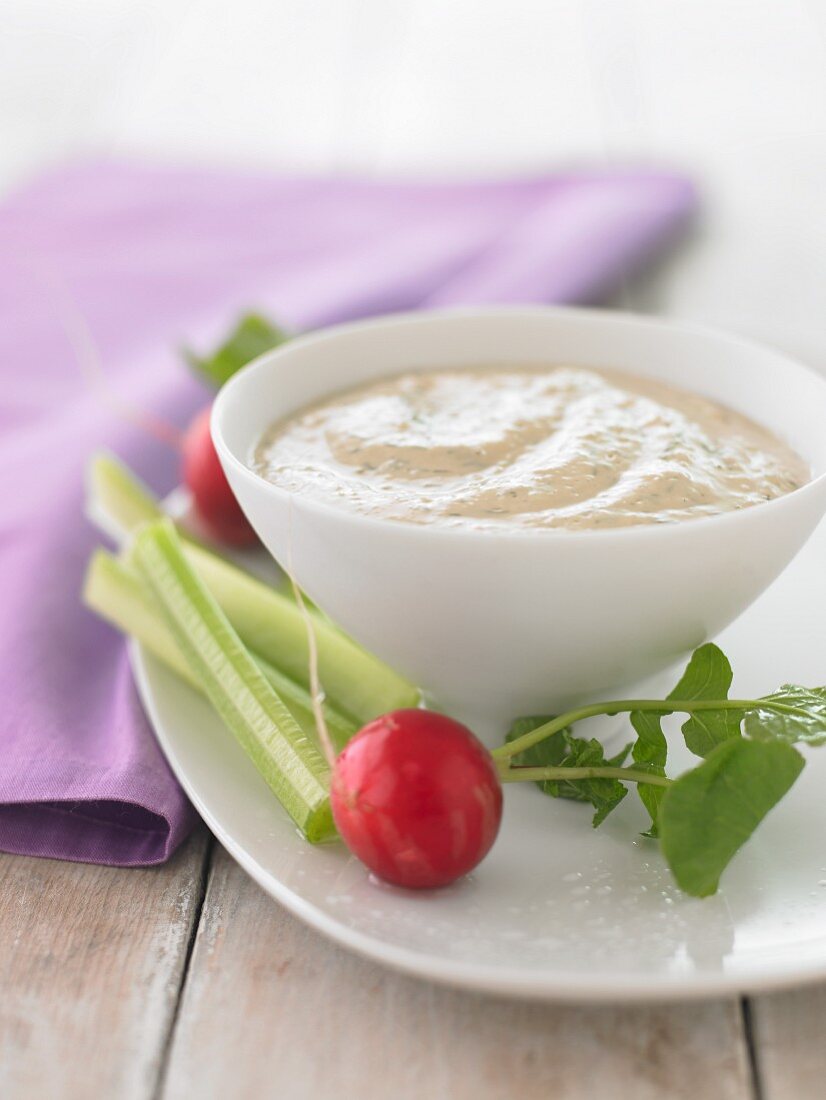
(186, 980)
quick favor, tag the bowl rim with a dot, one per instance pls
(549, 535)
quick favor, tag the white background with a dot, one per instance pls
(732, 91)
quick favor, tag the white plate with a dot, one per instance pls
(558, 910)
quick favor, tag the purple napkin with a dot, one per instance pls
(121, 264)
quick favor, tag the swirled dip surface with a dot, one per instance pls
(527, 446)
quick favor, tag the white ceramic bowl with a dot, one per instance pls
(495, 624)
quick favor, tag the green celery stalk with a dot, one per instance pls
(359, 685)
(273, 626)
(114, 592)
(117, 594)
(291, 765)
(116, 501)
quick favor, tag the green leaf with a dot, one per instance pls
(251, 337)
(603, 794)
(711, 811)
(810, 727)
(708, 676)
(650, 754)
(562, 749)
(545, 754)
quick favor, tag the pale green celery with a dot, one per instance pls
(269, 623)
(118, 503)
(291, 765)
(273, 626)
(297, 698)
(117, 594)
(114, 592)
(116, 500)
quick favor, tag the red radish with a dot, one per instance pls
(416, 797)
(214, 501)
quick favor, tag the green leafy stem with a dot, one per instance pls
(702, 817)
(682, 706)
(516, 774)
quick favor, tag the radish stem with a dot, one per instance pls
(514, 774)
(659, 706)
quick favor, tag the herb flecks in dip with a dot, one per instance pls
(525, 446)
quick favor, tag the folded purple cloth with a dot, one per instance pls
(135, 259)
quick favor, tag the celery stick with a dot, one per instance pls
(116, 501)
(272, 626)
(269, 623)
(293, 768)
(300, 705)
(118, 595)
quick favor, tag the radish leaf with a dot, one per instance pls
(711, 811)
(564, 750)
(251, 337)
(650, 753)
(763, 724)
(708, 676)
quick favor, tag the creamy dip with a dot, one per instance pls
(527, 446)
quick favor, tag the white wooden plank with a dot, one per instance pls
(271, 1008)
(790, 1052)
(91, 962)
